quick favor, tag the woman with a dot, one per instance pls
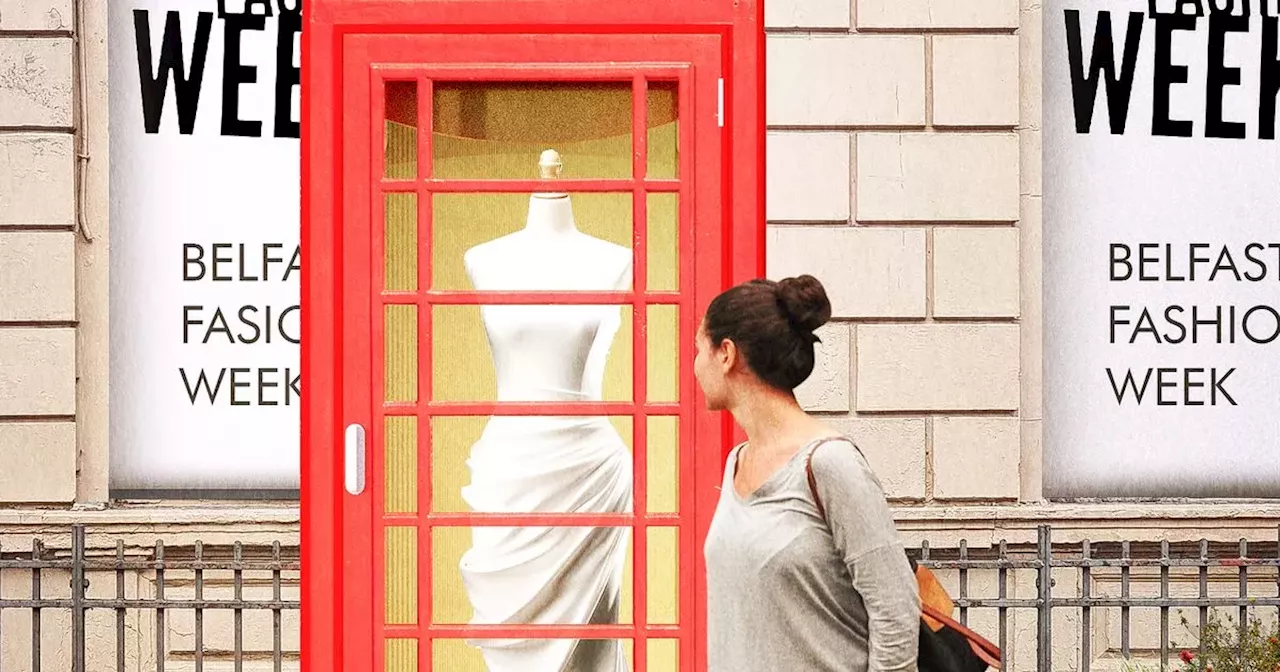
(786, 590)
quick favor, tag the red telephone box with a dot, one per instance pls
(453, 518)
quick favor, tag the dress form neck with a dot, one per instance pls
(550, 215)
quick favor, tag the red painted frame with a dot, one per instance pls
(329, 22)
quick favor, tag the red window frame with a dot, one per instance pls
(741, 236)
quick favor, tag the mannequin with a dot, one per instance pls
(561, 575)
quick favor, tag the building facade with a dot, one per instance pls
(904, 170)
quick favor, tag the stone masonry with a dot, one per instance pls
(37, 252)
(897, 139)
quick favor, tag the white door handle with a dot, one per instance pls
(353, 451)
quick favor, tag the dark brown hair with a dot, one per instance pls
(772, 324)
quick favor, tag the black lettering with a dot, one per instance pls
(1218, 388)
(234, 73)
(1116, 321)
(1270, 83)
(1225, 263)
(202, 381)
(255, 7)
(294, 383)
(1197, 322)
(1215, 9)
(187, 322)
(1084, 90)
(1162, 384)
(1129, 383)
(267, 259)
(1196, 8)
(295, 263)
(263, 385)
(1187, 385)
(1197, 260)
(1249, 332)
(1168, 74)
(284, 314)
(188, 260)
(1145, 260)
(1146, 325)
(288, 75)
(245, 311)
(186, 86)
(218, 261)
(1169, 275)
(219, 325)
(244, 275)
(1169, 316)
(1262, 266)
(1124, 260)
(1220, 76)
(236, 384)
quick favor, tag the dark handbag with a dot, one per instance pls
(946, 645)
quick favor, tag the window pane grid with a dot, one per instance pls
(423, 520)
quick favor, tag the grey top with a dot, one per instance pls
(786, 593)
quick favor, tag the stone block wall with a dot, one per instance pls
(37, 252)
(898, 135)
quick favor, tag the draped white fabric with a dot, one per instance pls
(549, 575)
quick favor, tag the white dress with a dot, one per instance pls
(557, 575)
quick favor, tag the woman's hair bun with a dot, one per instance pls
(804, 302)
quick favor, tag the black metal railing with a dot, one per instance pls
(1016, 579)
(190, 568)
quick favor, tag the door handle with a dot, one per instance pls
(353, 459)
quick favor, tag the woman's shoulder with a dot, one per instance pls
(732, 458)
(839, 459)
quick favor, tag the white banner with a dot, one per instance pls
(204, 244)
(1161, 248)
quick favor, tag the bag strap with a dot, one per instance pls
(808, 468)
(984, 649)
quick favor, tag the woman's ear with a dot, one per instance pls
(729, 355)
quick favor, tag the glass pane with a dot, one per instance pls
(401, 346)
(402, 655)
(664, 655)
(401, 111)
(523, 575)
(490, 241)
(664, 575)
(456, 655)
(401, 464)
(663, 465)
(402, 575)
(663, 272)
(663, 347)
(664, 155)
(486, 130)
(544, 353)
(401, 231)
(531, 464)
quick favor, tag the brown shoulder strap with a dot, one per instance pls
(808, 469)
(813, 484)
(984, 649)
